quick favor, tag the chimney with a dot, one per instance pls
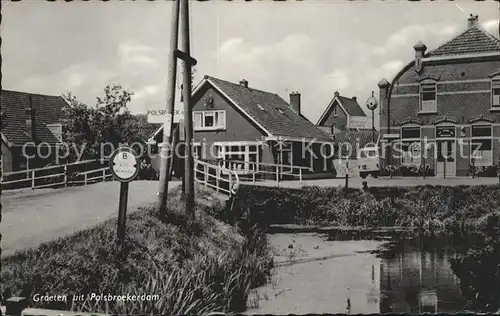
(295, 102)
(473, 20)
(354, 98)
(419, 48)
(30, 119)
(244, 83)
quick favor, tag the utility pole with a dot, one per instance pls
(187, 63)
(167, 153)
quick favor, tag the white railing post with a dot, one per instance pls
(85, 179)
(277, 174)
(33, 179)
(217, 173)
(206, 173)
(230, 179)
(103, 175)
(300, 177)
(65, 176)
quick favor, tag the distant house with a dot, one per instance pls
(29, 120)
(343, 114)
(236, 122)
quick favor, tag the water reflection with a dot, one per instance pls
(416, 277)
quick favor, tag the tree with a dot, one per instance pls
(109, 122)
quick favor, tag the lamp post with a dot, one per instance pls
(372, 104)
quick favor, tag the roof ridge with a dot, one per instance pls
(237, 84)
(31, 93)
(470, 29)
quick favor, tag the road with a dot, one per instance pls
(381, 182)
(30, 218)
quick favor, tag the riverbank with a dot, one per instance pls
(427, 209)
(186, 267)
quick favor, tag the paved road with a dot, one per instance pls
(382, 182)
(32, 217)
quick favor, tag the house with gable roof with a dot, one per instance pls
(343, 114)
(29, 120)
(237, 122)
(448, 97)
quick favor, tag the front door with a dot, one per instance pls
(446, 158)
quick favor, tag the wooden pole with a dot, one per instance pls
(188, 117)
(122, 211)
(166, 153)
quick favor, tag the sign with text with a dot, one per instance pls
(159, 115)
(124, 165)
(359, 122)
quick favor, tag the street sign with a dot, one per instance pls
(359, 122)
(124, 164)
(158, 115)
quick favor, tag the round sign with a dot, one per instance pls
(124, 164)
(371, 103)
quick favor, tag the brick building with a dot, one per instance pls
(236, 122)
(443, 108)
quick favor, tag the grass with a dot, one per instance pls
(429, 209)
(195, 267)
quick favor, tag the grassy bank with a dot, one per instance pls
(432, 209)
(193, 267)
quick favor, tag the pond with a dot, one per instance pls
(362, 276)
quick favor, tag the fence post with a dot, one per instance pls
(277, 174)
(103, 175)
(85, 179)
(65, 176)
(230, 180)
(217, 173)
(33, 179)
(206, 173)
(300, 177)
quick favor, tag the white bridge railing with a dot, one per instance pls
(218, 178)
(54, 176)
(254, 172)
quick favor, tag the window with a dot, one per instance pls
(481, 145)
(336, 111)
(495, 92)
(428, 99)
(410, 146)
(197, 151)
(209, 120)
(238, 157)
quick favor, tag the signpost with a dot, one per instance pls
(124, 166)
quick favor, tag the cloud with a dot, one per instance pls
(491, 26)
(132, 53)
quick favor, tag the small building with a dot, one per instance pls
(32, 122)
(343, 114)
(443, 108)
(237, 122)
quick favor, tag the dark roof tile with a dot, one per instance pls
(473, 40)
(48, 110)
(277, 117)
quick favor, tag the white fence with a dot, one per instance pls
(216, 177)
(54, 176)
(258, 171)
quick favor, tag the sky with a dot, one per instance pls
(313, 47)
